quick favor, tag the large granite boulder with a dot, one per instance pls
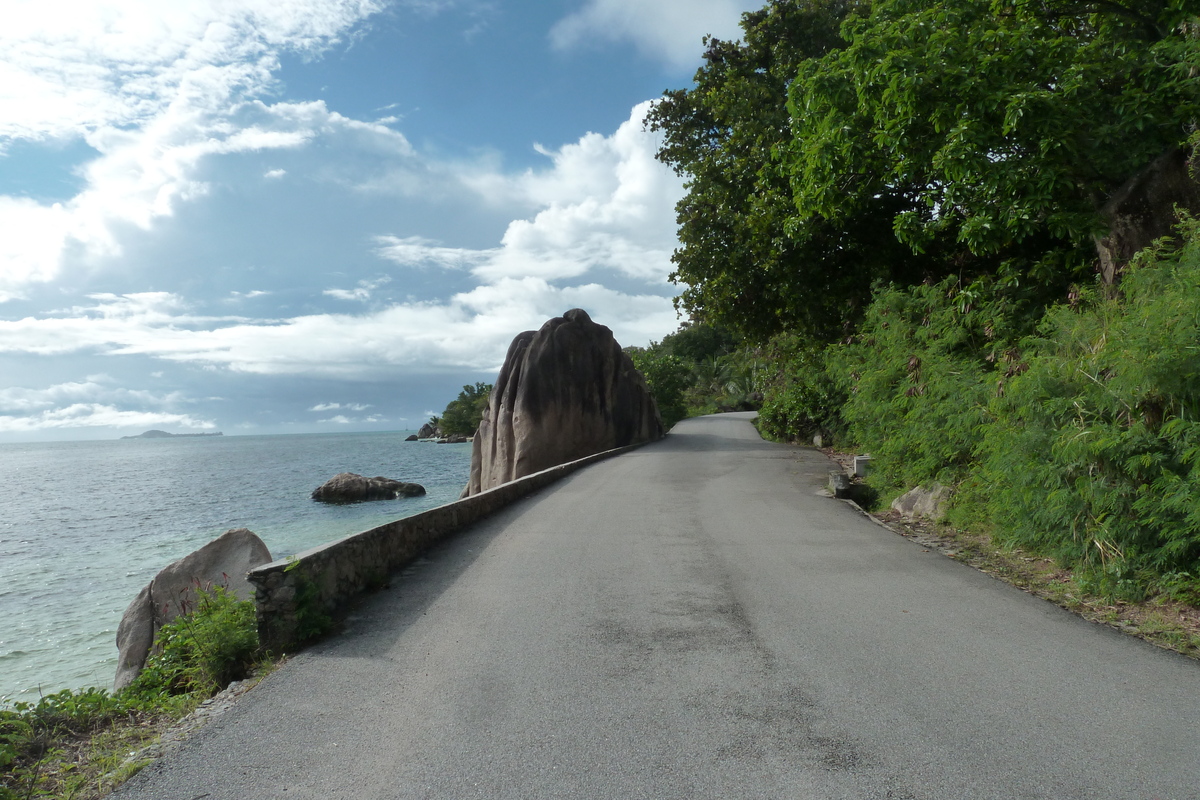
(350, 487)
(427, 431)
(222, 562)
(564, 392)
(928, 503)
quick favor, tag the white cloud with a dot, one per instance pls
(71, 67)
(155, 88)
(605, 203)
(274, 174)
(361, 293)
(417, 251)
(338, 419)
(95, 415)
(95, 402)
(470, 331)
(671, 31)
(142, 174)
(336, 406)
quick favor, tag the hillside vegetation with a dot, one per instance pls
(956, 235)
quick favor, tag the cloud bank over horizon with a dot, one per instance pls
(190, 196)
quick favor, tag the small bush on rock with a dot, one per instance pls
(204, 649)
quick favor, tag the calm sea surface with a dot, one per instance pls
(84, 525)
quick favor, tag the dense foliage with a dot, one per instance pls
(999, 128)
(698, 370)
(800, 396)
(919, 376)
(843, 144)
(727, 135)
(1094, 451)
(1075, 433)
(899, 205)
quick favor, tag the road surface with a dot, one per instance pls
(691, 620)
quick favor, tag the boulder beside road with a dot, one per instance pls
(565, 391)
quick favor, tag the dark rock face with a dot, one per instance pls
(411, 438)
(427, 431)
(564, 392)
(222, 562)
(1144, 209)
(349, 487)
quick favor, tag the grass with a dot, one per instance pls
(80, 744)
(87, 757)
(76, 744)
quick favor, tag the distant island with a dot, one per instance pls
(165, 435)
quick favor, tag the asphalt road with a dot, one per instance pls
(691, 620)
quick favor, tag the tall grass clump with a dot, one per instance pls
(1094, 452)
(919, 376)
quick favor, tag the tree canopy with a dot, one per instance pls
(462, 415)
(840, 144)
(726, 136)
(1002, 126)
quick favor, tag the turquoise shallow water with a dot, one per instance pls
(84, 525)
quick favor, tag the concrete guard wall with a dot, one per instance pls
(325, 579)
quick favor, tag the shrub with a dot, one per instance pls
(802, 397)
(667, 377)
(37, 739)
(919, 376)
(203, 649)
(1095, 454)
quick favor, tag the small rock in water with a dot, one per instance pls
(349, 487)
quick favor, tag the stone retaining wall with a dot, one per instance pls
(321, 581)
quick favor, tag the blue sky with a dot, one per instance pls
(274, 216)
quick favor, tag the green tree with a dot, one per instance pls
(741, 261)
(696, 342)
(668, 378)
(463, 414)
(844, 144)
(1001, 127)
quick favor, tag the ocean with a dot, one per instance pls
(85, 525)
